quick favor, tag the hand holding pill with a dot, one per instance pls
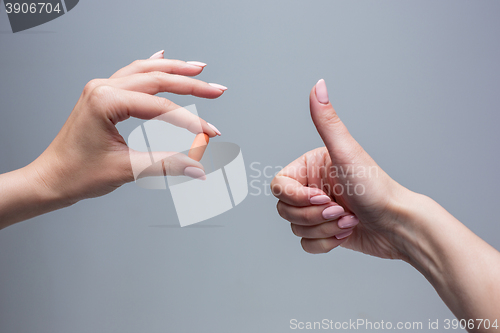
(198, 147)
(89, 157)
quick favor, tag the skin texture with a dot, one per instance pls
(394, 222)
(89, 158)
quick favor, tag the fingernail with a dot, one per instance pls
(322, 92)
(218, 86)
(344, 234)
(320, 199)
(332, 212)
(348, 221)
(196, 173)
(215, 129)
(196, 63)
(158, 55)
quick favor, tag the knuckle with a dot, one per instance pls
(137, 64)
(307, 216)
(157, 74)
(272, 185)
(281, 210)
(325, 229)
(276, 188)
(167, 166)
(331, 118)
(295, 229)
(323, 246)
(91, 85)
(306, 245)
(158, 79)
(99, 94)
(100, 98)
(163, 103)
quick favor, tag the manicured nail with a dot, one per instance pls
(348, 221)
(320, 200)
(158, 55)
(322, 92)
(344, 234)
(196, 173)
(218, 86)
(215, 129)
(332, 212)
(196, 63)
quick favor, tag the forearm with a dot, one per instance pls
(463, 268)
(24, 195)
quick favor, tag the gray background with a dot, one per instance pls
(416, 82)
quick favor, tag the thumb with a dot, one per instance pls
(152, 164)
(341, 145)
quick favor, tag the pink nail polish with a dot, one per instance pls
(322, 92)
(196, 173)
(344, 235)
(320, 200)
(332, 212)
(196, 63)
(348, 221)
(215, 129)
(218, 86)
(158, 55)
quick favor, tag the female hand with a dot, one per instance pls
(337, 195)
(89, 158)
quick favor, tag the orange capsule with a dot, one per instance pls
(198, 147)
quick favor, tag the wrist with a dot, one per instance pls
(23, 195)
(46, 185)
(461, 266)
(428, 237)
(418, 227)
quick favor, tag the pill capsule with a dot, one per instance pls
(198, 147)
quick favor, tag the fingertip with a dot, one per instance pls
(316, 196)
(189, 70)
(321, 92)
(158, 55)
(320, 199)
(344, 235)
(194, 172)
(214, 129)
(197, 64)
(318, 246)
(218, 86)
(209, 129)
(213, 93)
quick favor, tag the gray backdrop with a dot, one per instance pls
(416, 82)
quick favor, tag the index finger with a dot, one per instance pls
(292, 192)
(123, 104)
(292, 185)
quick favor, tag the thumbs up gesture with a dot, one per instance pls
(337, 194)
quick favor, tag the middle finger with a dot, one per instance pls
(155, 82)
